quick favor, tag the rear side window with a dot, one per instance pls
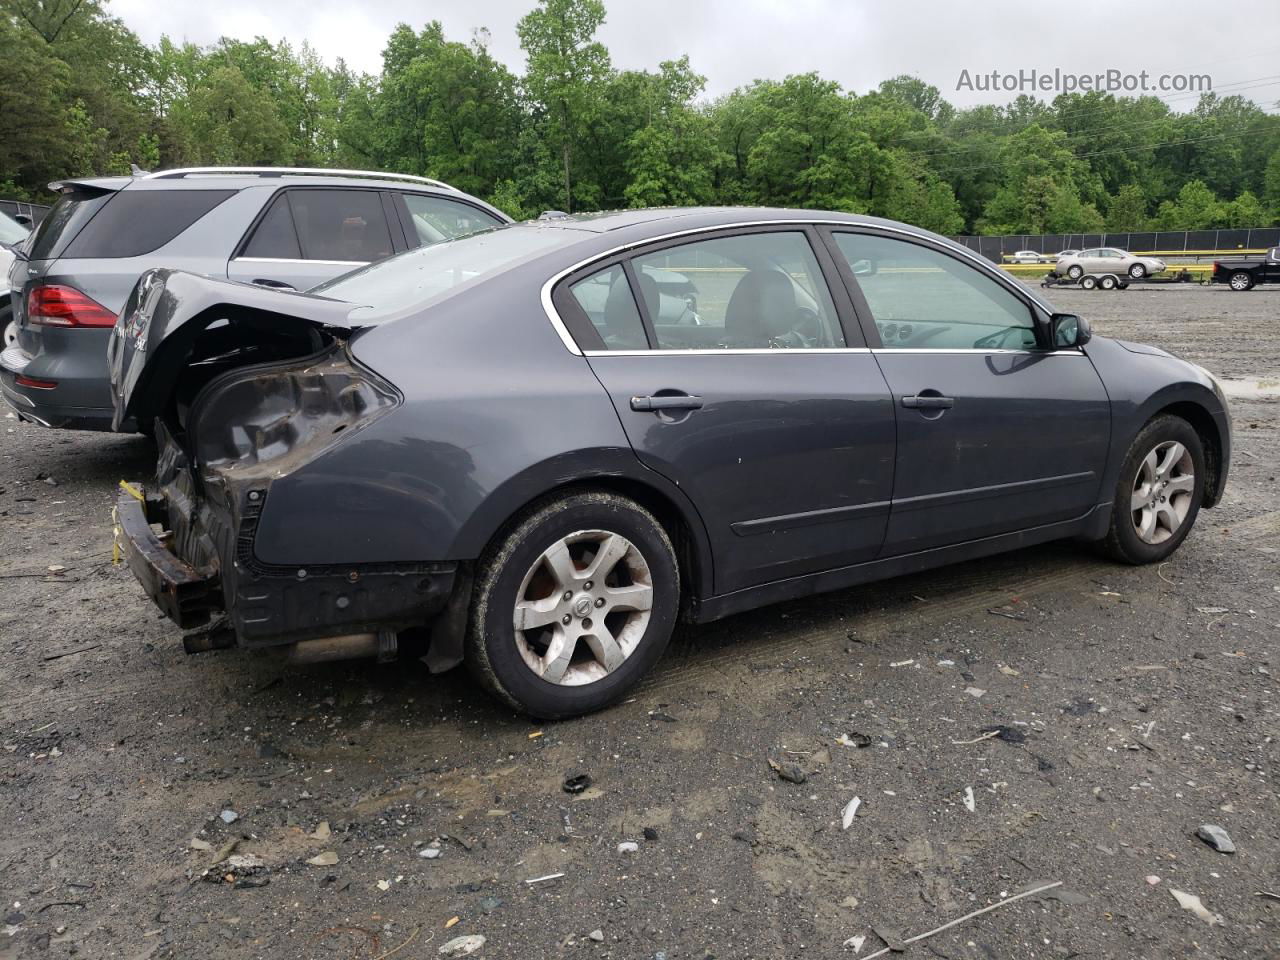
(606, 299)
(134, 222)
(344, 225)
(438, 218)
(275, 237)
(68, 216)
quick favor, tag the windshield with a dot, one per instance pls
(11, 231)
(411, 279)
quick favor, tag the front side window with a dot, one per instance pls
(923, 299)
(758, 291)
(606, 299)
(438, 218)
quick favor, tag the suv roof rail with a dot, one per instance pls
(291, 172)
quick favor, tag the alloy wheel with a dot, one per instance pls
(583, 607)
(1163, 491)
(1240, 281)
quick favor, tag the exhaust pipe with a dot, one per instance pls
(353, 646)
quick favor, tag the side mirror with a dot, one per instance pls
(863, 268)
(1068, 330)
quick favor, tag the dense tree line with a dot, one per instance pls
(80, 94)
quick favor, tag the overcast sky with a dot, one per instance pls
(733, 42)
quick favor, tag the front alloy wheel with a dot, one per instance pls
(1138, 271)
(573, 604)
(1163, 492)
(1159, 492)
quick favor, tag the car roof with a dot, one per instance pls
(212, 178)
(662, 218)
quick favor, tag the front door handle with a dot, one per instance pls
(680, 401)
(928, 403)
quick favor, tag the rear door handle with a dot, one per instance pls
(677, 402)
(928, 403)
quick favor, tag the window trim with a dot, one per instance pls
(1041, 309)
(1037, 311)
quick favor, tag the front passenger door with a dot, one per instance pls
(996, 433)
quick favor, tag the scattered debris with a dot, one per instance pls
(969, 803)
(577, 783)
(549, 876)
(1006, 733)
(1189, 901)
(239, 870)
(959, 920)
(326, 859)
(59, 654)
(1212, 610)
(596, 935)
(1152, 879)
(1009, 671)
(989, 735)
(892, 940)
(384, 885)
(859, 740)
(198, 844)
(1268, 894)
(628, 846)
(659, 715)
(229, 816)
(996, 611)
(1216, 837)
(975, 692)
(855, 942)
(321, 832)
(535, 735)
(789, 770)
(452, 922)
(461, 946)
(650, 834)
(851, 811)
(429, 853)
(902, 663)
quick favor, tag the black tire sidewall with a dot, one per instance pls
(1124, 537)
(491, 621)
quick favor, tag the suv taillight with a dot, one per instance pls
(55, 305)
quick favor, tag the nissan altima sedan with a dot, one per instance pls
(507, 450)
(1075, 264)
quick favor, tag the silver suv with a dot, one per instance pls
(288, 228)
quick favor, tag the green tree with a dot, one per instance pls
(1196, 208)
(1127, 210)
(566, 67)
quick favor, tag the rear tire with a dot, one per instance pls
(1088, 283)
(1107, 283)
(1241, 280)
(589, 638)
(1075, 271)
(8, 328)
(1158, 493)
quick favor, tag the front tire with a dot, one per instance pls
(1138, 271)
(572, 605)
(1241, 280)
(1158, 494)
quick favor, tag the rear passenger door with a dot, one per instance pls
(745, 382)
(310, 234)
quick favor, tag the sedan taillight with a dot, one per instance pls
(57, 305)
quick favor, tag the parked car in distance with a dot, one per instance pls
(272, 226)
(1248, 272)
(1030, 256)
(463, 447)
(12, 235)
(1107, 260)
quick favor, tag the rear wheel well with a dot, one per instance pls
(1203, 424)
(657, 503)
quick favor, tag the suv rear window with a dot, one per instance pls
(135, 222)
(69, 214)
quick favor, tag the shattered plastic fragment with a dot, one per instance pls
(968, 800)
(461, 946)
(856, 942)
(851, 811)
(1189, 901)
(326, 859)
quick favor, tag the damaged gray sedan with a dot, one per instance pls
(526, 451)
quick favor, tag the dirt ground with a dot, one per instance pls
(1132, 705)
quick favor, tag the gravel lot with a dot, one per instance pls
(1135, 704)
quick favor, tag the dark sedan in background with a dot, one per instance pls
(511, 450)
